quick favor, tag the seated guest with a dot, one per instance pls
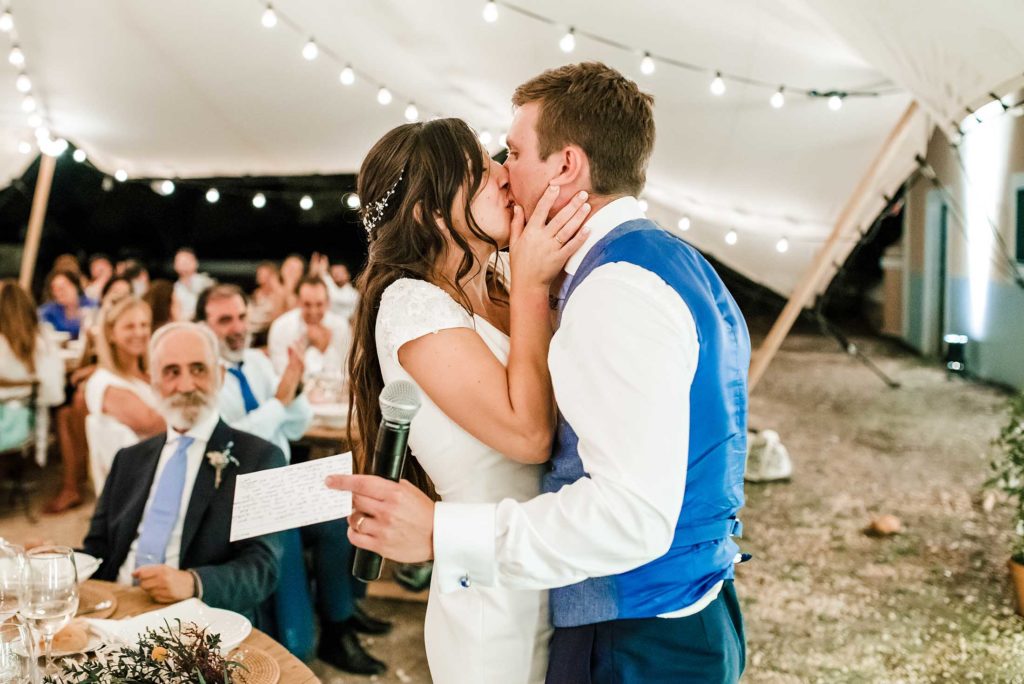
(293, 268)
(163, 302)
(343, 294)
(118, 287)
(120, 399)
(268, 299)
(322, 336)
(100, 273)
(163, 520)
(25, 356)
(190, 282)
(137, 273)
(67, 306)
(257, 400)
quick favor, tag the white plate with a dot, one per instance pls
(232, 627)
(86, 565)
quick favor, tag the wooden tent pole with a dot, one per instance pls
(814, 275)
(44, 181)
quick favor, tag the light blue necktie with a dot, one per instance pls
(248, 397)
(164, 508)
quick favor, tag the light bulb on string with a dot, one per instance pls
(718, 85)
(34, 120)
(269, 18)
(684, 224)
(25, 147)
(347, 75)
(24, 83)
(642, 203)
(412, 114)
(310, 51)
(384, 96)
(731, 238)
(647, 65)
(782, 246)
(28, 104)
(835, 103)
(213, 195)
(491, 11)
(42, 133)
(53, 148)
(306, 202)
(6, 21)
(259, 200)
(166, 187)
(778, 99)
(352, 201)
(16, 56)
(486, 138)
(568, 41)
(120, 175)
(79, 156)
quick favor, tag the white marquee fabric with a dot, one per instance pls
(194, 88)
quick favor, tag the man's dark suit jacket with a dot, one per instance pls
(237, 576)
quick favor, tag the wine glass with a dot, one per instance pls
(12, 560)
(17, 662)
(50, 596)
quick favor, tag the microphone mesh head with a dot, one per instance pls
(399, 402)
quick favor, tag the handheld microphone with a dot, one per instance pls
(399, 403)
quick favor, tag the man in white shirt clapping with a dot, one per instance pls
(322, 336)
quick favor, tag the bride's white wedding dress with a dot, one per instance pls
(477, 635)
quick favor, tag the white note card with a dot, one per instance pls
(285, 498)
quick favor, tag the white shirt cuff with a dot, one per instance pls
(464, 546)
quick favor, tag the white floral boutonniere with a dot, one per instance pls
(220, 460)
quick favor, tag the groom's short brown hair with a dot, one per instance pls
(596, 107)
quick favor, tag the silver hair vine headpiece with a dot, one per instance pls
(374, 211)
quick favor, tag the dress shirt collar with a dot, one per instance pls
(200, 432)
(603, 221)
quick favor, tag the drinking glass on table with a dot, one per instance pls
(50, 597)
(12, 560)
(17, 662)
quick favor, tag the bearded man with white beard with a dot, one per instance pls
(164, 519)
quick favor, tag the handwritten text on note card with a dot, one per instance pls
(284, 498)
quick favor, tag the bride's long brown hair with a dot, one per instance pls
(410, 238)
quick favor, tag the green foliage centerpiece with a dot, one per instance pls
(1008, 476)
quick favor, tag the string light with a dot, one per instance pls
(718, 85)
(6, 21)
(259, 200)
(835, 103)
(310, 51)
(568, 41)
(778, 100)
(491, 12)
(347, 76)
(213, 195)
(486, 138)
(79, 156)
(120, 175)
(42, 133)
(731, 237)
(166, 187)
(684, 224)
(24, 147)
(351, 200)
(782, 246)
(269, 18)
(16, 56)
(647, 65)
(306, 202)
(28, 104)
(53, 148)
(412, 114)
(34, 120)
(384, 96)
(24, 83)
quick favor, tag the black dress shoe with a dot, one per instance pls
(367, 624)
(347, 654)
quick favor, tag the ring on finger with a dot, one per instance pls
(560, 242)
(359, 524)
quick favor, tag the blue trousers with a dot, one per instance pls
(706, 648)
(336, 589)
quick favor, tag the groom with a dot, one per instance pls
(649, 367)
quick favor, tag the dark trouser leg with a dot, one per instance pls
(332, 569)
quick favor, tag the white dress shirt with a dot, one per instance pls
(201, 433)
(273, 421)
(289, 328)
(344, 298)
(621, 363)
(187, 293)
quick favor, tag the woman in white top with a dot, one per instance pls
(119, 397)
(436, 311)
(25, 356)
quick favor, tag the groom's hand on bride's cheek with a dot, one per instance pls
(394, 519)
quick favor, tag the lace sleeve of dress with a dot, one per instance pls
(410, 309)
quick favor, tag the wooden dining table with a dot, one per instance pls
(132, 601)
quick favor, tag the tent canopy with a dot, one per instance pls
(193, 89)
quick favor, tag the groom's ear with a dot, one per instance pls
(573, 167)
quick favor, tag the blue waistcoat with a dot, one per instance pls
(702, 550)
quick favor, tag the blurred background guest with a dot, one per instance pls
(119, 397)
(293, 268)
(100, 273)
(323, 336)
(343, 294)
(67, 305)
(190, 282)
(25, 356)
(164, 303)
(137, 273)
(118, 287)
(269, 300)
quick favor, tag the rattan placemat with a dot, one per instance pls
(92, 595)
(260, 667)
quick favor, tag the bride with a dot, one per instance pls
(436, 310)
